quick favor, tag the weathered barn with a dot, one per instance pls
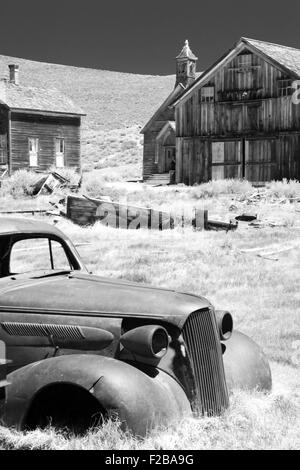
(39, 128)
(239, 119)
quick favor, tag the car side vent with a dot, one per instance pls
(68, 332)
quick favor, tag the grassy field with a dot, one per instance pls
(261, 291)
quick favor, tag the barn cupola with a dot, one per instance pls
(185, 66)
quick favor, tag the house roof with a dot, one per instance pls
(285, 57)
(18, 97)
(186, 52)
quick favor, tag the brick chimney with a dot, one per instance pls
(14, 74)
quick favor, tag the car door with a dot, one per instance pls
(24, 334)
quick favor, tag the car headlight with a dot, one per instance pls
(225, 324)
(149, 341)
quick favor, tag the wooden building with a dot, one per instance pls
(159, 132)
(239, 119)
(39, 128)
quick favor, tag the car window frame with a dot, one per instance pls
(72, 259)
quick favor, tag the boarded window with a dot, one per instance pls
(226, 159)
(207, 94)
(60, 152)
(218, 152)
(3, 148)
(33, 147)
(285, 87)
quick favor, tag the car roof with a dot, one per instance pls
(14, 225)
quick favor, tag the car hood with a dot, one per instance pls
(86, 294)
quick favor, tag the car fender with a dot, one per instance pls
(246, 365)
(141, 398)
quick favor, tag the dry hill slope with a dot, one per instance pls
(117, 105)
(110, 99)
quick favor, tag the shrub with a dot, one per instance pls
(285, 188)
(70, 174)
(19, 184)
(217, 187)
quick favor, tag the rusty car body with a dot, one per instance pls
(80, 347)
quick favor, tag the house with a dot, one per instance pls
(39, 128)
(238, 119)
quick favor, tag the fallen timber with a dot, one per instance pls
(86, 211)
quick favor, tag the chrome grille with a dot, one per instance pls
(204, 349)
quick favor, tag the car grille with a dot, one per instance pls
(203, 345)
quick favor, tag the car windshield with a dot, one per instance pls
(38, 254)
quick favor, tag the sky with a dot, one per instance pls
(140, 36)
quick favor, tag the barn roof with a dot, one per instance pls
(287, 56)
(18, 97)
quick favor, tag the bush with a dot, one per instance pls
(285, 188)
(217, 187)
(19, 184)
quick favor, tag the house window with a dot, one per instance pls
(207, 94)
(33, 146)
(60, 152)
(285, 87)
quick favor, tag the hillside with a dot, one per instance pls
(117, 105)
(111, 100)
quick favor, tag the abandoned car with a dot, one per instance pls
(77, 348)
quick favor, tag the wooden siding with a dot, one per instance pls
(3, 136)
(247, 109)
(46, 129)
(149, 165)
(256, 159)
(236, 118)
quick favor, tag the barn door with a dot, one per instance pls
(260, 159)
(226, 159)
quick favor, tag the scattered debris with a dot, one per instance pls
(217, 225)
(269, 250)
(3, 173)
(246, 217)
(51, 183)
(86, 211)
(265, 195)
(30, 211)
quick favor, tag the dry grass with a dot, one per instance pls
(262, 294)
(253, 421)
(119, 151)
